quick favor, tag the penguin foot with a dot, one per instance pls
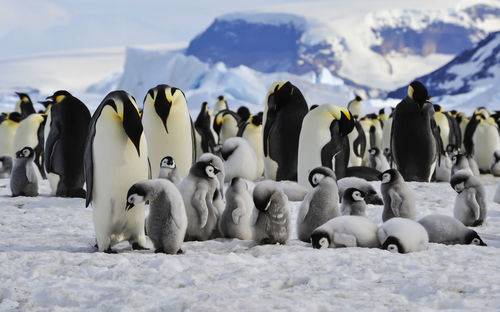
(159, 251)
(478, 223)
(266, 241)
(110, 251)
(137, 246)
(180, 252)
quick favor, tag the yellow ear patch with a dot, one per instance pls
(410, 92)
(24, 99)
(59, 98)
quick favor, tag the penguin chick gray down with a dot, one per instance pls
(271, 219)
(23, 178)
(167, 221)
(470, 203)
(459, 162)
(168, 170)
(377, 160)
(402, 235)
(239, 159)
(6, 166)
(371, 195)
(448, 230)
(346, 231)
(353, 203)
(235, 220)
(398, 200)
(495, 164)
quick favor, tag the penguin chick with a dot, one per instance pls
(293, 190)
(402, 235)
(235, 220)
(167, 221)
(23, 179)
(470, 203)
(459, 162)
(239, 160)
(346, 231)
(353, 203)
(443, 168)
(271, 219)
(398, 200)
(6, 166)
(320, 204)
(371, 196)
(448, 230)
(378, 161)
(168, 170)
(495, 164)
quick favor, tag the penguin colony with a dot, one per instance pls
(322, 156)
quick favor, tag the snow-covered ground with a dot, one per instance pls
(47, 262)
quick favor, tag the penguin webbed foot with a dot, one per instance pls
(180, 252)
(110, 251)
(137, 246)
(159, 250)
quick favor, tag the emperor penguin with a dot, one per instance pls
(415, 142)
(252, 132)
(244, 114)
(226, 125)
(462, 121)
(320, 204)
(355, 106)
(220, 105)
(495, 164)
(323, 140)
(398, 199)
(206, 136)
(30, 133)
(8, 127)
(168, 170)
(459, 162)
(371, 195)
(448, 230)
(482, 139)
(353, 203)
(401, 235)
(65, 144)
(198, 190)
(372, 127)
(470, 203)
(346, 231)
(167, 221)
(6, 166)
(239, 160)
(116, 157)
(218, 198)
(378, 160)
(386, 134)
(282, 122)
(235, 220)
(168, 128)
(24, 106)
(23, 178)
(443, 124)
(271, 219)
(357, 144)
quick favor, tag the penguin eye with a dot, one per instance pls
(317, 178)
(26, 152)
(454, 159)
(475, 241)
(372, 152)
(210, 171)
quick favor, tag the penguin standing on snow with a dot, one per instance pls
(30, 133)
(448, 230)
(482, 139)
(65, 143)
(239, 160)
(24, 106)
(168, 128)
(226, 125)
(23, 178)
(235, 220)
(168, 170)
(353, 203)
(6, 166)
(346, 231)
(371, 195)
(116, 158)
(8, 127)
(470, 203)
(398, 200)
(252, 132)
(282, 122)
(205, 140)
(378, 160)
(401, 235)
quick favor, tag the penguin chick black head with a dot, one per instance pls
(353, 195)
(320, 239)
(26, 152)
(135, 195)
(220, 97)
(263, 192)
(393, 245)
(418, 93)
(204, 169)
(459, 180)
(374, 151)
(167, 162)
(244, 113)
(473, 238)
(391, 175)
(319, 173)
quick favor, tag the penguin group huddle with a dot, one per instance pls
(127, 157)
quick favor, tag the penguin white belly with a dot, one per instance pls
(386, 135)
(254, 137)
(52, 177)
(7, 132)
(228, 130)
(353, 159)
(486, 140)
(378, 135)
(199, 150)
(462, 211)
(271, 168)
(444, 128)
(26, 135)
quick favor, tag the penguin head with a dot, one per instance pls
(459, 180)
(59, 96)
(320, 239)
(25, 152)
(205, 169)
(390, 176)
(23, 98)
(393, 245)
(163, 97)
(256, 120)
(418, 93)
(263, 192)
(354, 195)
(318, 174)
(244, 113)
(238, 182)
(14, 116)
(456, 158)
(205, 108)
(135, 195)
(168, 162)
(374, 151)
(46, 104)
(221, 98)
(222, 117)
(437, 108)
(473, 238)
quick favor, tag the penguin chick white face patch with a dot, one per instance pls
(210, 171)
(134, 199)
(316, 178)
(26, 152)
(459, 187)
(356, 195)
(454, 160)
(393, 248)
(323, 243)
(386, 178)
(475, 241)
(168, 162)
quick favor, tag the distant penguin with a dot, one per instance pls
(24, 106)
(167, 221)
(282, 122)
(470, 203)
(23, 178)
(372, 128)
(235, 220)
(207, 136)
(320, 204)
(353, 203)
(371, 195)
(386, 135)
(226, 125)
(495, 164)
(378, 160)
(220, 105)
(448, 230)
(346, 231)
(6, 166)
(323, 141)
(271, 219)
(65, 143)
(443, 168)
(116, 158)
(8, 127)
(198, 190)
(244, 114)
(398, 199)
(482, 139)
(443, 123)
(168, 170)
(30, 133)
(415, 136)
(401, 235)
(382, 116)
(252, 132)
(355, 106)
(168, 128)
(459, 162)
(239, 160)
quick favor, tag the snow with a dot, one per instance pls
(47, 262)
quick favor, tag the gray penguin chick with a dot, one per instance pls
(320, 204)
(353, 203)
(398, 200)
(459, 162)
(371, 195)
(271, 219)
(378, 160)
(6, 166)
(448, 230)
(235, 220)
(168, 170)
(167, 221)
(470, 203)
(23, 178)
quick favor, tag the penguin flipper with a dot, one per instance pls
(30, 173)
(472, 203)
(200, 205)
(367, 173)
(359, 144)
(50, 145)
(238, 212)
(396, 202)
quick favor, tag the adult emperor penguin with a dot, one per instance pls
(220, 105)
(282, 122)
(6, 166)
(481, 140)
(65, 144)
(353, 203)
(448, 230)
(8, 127)
(30, 133)
(239, 160)
(168, 128)
(168, 170)
(495, 164)
(235, 220)
(115, 158)
(24, 106)
(346, 231)
(23, 178)
(206, 136)
(355, 106)
(470, 203)
(398, 199)
(415, 136)
(357, 144)
(252, 132)
(320, 204)
(445, 129)
(167, 221)
(402, 235)
(226, 125)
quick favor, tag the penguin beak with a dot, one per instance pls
(129, 206)
(51, 98)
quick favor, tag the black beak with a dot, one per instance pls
(129, 206)
(50, 98)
